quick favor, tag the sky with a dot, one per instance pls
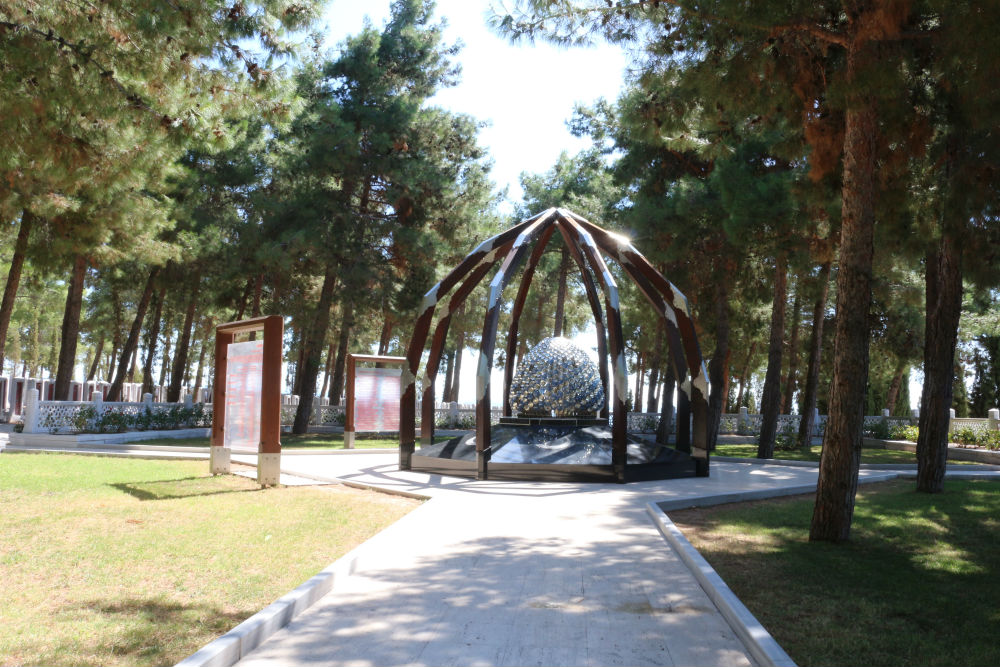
(526, 92)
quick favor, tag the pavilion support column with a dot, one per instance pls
(219, 463)
(484, 255)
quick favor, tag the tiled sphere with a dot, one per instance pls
(556, 378)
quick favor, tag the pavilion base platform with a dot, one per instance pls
(555, 451)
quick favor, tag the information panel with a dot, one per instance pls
(376, 399)
(243, 382)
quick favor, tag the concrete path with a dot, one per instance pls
(519, 573)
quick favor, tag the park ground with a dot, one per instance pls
(133, 562)
(137, 562)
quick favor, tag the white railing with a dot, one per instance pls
(147, 414)
(111, 417)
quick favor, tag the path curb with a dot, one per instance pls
(228, 649)
(231, 647)
(759, 642)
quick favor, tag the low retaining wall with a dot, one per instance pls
(955, 452)
(89, 439)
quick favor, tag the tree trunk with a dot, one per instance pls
(165, 361)
(241, 307)
(770, 400)
(744, 375)
(793, 357)
(807, 424)
(14, 278)
(838, 470)
(384, 337)
(557, 327)
(666, 404)
(639, 370)
(299, 361)
(894, 385)
(327, 368)
(313, 344)
(258, 290)
(130, 376)
(449, 358)
(97, 359)
(457, 375)
(346, 328)
(183, 343)
(654, 378)
(718, 365)
(201, 367)
(944, 308)
(70, 329)
(132, 342)
(152, 340)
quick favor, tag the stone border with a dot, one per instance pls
(233, 646)
(761, 645)
(955, 452)
(92, 439)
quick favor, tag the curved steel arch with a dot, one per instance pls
(585, 241)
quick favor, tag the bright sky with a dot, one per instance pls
(526, 92)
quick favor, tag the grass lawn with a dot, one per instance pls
(918, 584)
(290, 441)
(108, 561)
(867, 455)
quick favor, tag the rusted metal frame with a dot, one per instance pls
(489, 337)
(222, 340)
(485, 253)
(675, 350)
(270, 390)
(270, 385)
(696, 386)
(437, 346)
(515, 315)
(244, 326)
(595, 307)
(619, 426)
(625, 253)
(665, 311)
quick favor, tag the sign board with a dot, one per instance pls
(243, 389)
(376, 399)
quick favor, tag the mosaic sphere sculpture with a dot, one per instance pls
(556, 378)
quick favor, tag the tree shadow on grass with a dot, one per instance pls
(155, 631)
(915, 585)
(172, 489)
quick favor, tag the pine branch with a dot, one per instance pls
(84, 55)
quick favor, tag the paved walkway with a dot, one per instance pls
(519, 573)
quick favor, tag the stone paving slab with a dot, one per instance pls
(521, 573)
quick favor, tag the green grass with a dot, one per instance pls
(291, 441)
(108, 561)
(918, 584)
(867, 455)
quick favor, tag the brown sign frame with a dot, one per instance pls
(269, 450)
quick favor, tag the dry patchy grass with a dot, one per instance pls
(132, 562)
